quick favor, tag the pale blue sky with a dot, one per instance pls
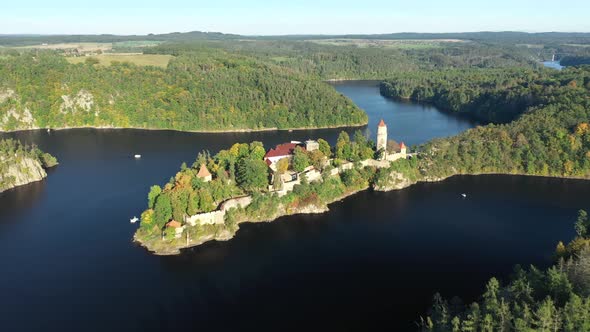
(296, 17)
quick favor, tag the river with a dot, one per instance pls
(68, 263)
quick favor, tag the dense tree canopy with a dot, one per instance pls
(550, 136)
(205, 90)
(557, 299)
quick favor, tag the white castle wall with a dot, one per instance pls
(218, 216)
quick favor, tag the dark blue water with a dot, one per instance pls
(68, 263)
(406, 122)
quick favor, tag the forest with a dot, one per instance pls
(487, 95)
(550, 137)
(327, 62)
(547, 133)
(557, 299)
(205, 90)
(217, 82)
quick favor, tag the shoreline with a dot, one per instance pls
(228, 234)
(218, 131)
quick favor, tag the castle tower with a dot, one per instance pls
(382, 136)
(402, 149)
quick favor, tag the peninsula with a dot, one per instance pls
(21, 164)
(550, 136)
(246, 183)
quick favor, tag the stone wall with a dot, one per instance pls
(396, 156)
(236, 202)
(214, 217)
(218, 216)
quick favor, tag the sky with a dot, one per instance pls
(261, 17)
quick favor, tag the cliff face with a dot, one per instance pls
(20, 171)
(394, 181)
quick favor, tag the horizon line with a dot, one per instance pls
(284, 35)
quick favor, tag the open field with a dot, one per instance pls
(578, 45)
(382, 43)
(139, 59)
(85, 47)
(94, 47)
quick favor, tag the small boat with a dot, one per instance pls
(133, 220)
(48, 130)
(137, 156)
(463, 195)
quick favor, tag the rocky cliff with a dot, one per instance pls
(23, 171)
(21, 164)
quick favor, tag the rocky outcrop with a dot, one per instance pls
(395, 181)
(13, 115)
(20, 172)
(83, 101)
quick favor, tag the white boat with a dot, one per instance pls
(48, 130)
(133, 220)
(137, 156)
(464, 195)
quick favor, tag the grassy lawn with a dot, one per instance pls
(158, 60)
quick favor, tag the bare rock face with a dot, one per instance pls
(395, 181)
(6, 94)
(20, 172)
(312, 209)
(13, 116)
(82, 101)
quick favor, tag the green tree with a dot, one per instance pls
(282, 165)
(343, 147)
(252, 175)
(581, 225)
(194, 205)
(300, 160)
(179, 202)
(547, 317)
(257, 150)
(162, 210)
(317, 159)
(206, 203)
(153, 195)
(325, 147)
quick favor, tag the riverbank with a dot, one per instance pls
(220, 131)
(225, 233)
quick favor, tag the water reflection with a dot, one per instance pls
(18, 200)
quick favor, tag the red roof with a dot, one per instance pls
(203, 172)
(281, 150)
(173, 224)
(402, 146)
(382, 123)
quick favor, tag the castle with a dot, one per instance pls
(382, 136)
(382, 144)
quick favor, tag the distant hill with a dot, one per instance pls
(25, 40)
(484, 36)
